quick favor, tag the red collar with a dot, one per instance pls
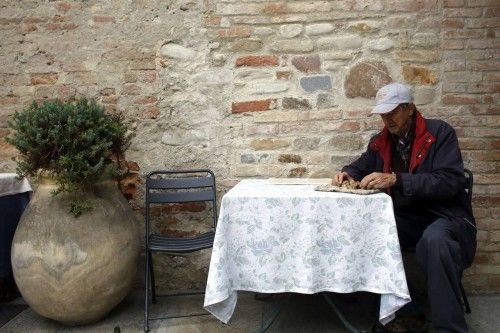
(422, 141)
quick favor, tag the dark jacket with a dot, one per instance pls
(435, 181)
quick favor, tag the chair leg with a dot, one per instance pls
(153, 286)
(464, 297)
(146, 294)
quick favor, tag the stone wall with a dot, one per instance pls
(262, 88)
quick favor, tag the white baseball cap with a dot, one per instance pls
(390, 96)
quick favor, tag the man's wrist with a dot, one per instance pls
(397, 182)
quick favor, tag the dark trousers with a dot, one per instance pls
(438, 243)
(11, 209)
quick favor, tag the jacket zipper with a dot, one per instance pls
(420, 150)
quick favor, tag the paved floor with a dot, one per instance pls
(300, 313)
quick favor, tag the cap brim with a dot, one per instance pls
(384, 108)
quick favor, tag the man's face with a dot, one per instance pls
(398, 121)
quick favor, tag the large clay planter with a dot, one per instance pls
(75, 270)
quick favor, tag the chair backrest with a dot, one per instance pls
(469, 182)
(181, 186)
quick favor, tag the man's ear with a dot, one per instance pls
(411, 109)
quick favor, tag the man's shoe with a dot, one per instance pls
(403, 325)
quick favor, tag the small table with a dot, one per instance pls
(291, 238)
(14, 197)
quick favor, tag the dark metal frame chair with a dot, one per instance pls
(178, 186)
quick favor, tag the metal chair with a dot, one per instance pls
(176, 187)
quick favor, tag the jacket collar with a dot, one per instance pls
(422, 141)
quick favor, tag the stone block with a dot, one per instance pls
(297, 172)
(340, 43)
(306, 143)
(316, 83)
(420, 75)
(346, 142)
(319, 28)
(295, 103)
(246, 44)
(290, 30)
(364, 26)
(325, 101)
(44, 78)
(257, 88)
(421, 56)
(176, 51)
(307, 64)
(293, 46)
(423, 95)
(365, 78)
(269, 144)
(424, 40)
(289, 158)
(380, 44)
(234, 32)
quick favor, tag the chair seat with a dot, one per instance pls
(186, 244)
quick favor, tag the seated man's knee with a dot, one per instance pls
(435, 240)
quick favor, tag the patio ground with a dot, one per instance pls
(300, 313)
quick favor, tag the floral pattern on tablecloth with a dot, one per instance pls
(290, 238)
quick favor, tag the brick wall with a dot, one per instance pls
(264, 88)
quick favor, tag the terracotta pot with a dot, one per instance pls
(75, 270)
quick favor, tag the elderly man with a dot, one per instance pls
(418, 162)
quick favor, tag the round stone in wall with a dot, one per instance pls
(365, 78)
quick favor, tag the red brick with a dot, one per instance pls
(412, 5)
(477, 88)
(485, 110)
(65, 6)
(274, 9)
(103, 19)
(149, 76)
(350, 126)
(8, 100)
(109, 99)
(453, 44)
(131, 89)
(453, 23)
(492, 12)
(480, 44)
(44, 78)
(13, 20)
(211, 20)
(59, 26)
(250, 106)
(145, 100)
(283, 75)
(453, 3)
(152, 112)
(460, 99)
(476, 33)
(483, 23)
(258, 61)
(34, 19)
(463, 12)
(237, 31)
(107, 91)
(26, 28)
(490, 33)
(66, 92)
(483, 65)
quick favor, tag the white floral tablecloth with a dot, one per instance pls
(290, 238)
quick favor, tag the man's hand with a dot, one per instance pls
(340, 177)
(378, 180)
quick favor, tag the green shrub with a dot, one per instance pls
(76, 143)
